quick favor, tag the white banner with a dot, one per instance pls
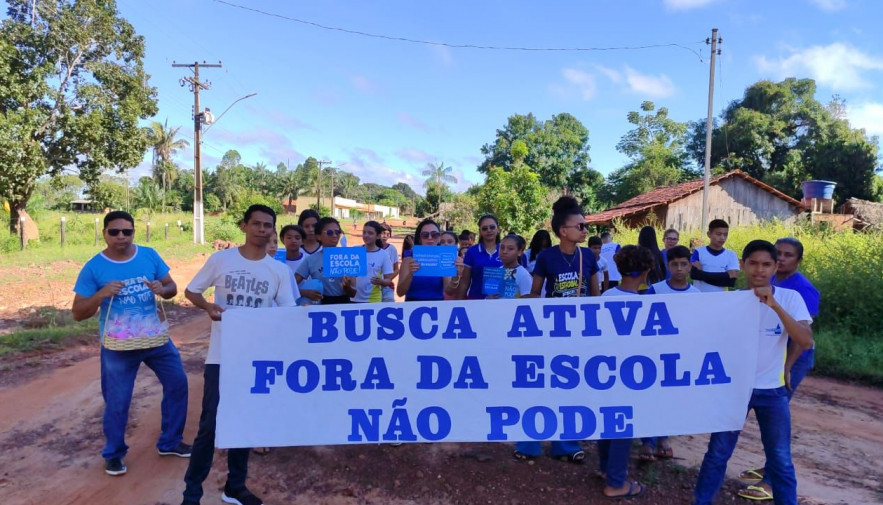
(492, 370)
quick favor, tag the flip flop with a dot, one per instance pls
(261, 451)
(631, 492)
(645, 453)
(577, 458)
(756, 493)
(752, 475)
(520, 456)
(665, 453)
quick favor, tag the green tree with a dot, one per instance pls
(516, 197)
(164, 145)
(72, 91)
(558, 149)
(107, 193)
(289, 186)
(148, 195)
(656, 149)
(437, 178)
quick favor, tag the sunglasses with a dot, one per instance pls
(671, 238)
(113, 232)
(429, 234)
(580, 226)
(490, 227)
(332, 233)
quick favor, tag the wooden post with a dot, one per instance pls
(167, 231)
(96, 231)
(180, 228)
(148, 231)
(21, 232)
(63, 230)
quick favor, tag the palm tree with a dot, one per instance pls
(289, 186)
(165, 145)
(437, 177)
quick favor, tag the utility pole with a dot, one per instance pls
(198, 118)
(319, 185)
(709, 125)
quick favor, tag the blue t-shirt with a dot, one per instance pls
(133, 312)
(425, 288)
(560, 271)
(477, 258)
(808, 292)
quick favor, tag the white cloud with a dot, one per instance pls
(412, 122)
(611, 74)
(829, 5)
(838, 65)
(413, 155)
(652, 86)
(682, 5)
(867, 115)
(443, 54)
(582, 80)
(363, 84)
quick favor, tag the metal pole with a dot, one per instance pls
(708, 127)
(63, 230)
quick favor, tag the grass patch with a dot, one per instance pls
(50, 337)
(844, 355)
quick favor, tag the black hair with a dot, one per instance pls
(606, 234)
(595, 240)
(377, 228)
(407, 243)
(632, 260)
(118, 214)
(541, 240)
(519, 240)
(426, 222)
(386, 227)
(323, 222)
(451, 233)
(759, 245)
(717, 223)
(257, 207)
(678, 252)
(792, 242)
(490, 216)
(306, 214)
(562, 209)
(671, 230)
(465, 234)
(293, 227)
(647, 238)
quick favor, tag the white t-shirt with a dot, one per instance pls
(293, 264)
(602, 267)
(389, 294)
(239, 284)
(608, 250)
(724, 261)
(773, 344)
(378, 266)
(663, 288)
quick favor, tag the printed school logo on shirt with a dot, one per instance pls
(565, 284)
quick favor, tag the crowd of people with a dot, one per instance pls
(123, 282)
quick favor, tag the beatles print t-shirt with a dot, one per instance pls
(561, 271)
(241, 283)
(133, 312)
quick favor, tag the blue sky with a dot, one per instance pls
(383, 109)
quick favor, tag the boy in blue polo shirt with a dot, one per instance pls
(715, 268)
(783, 315)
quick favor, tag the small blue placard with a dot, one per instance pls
(435, 260)
(493, 281)
(340, 261)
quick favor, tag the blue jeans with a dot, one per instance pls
(774, 418)
(558, 448)
(653, 442)
(118, 372)
(613, 456)
(204, 446)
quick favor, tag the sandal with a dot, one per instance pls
(756, 493)
(752, 475)
(664, 451)
(631, 493)
(577, 458)
(261, 451)
(645, 453)
(520, 456)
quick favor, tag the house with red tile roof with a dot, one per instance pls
(735, 197)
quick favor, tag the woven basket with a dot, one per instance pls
(137, 343)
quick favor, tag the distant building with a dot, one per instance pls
(865, 215)
(344, 208)
(81, 205)
(735, 197)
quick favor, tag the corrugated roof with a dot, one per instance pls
(668, 194)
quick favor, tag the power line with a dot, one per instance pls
(463, 46)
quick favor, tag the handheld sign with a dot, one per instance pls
(493, 281)
(435, 260)
(340, 261)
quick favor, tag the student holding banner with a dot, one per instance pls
(424, 288)
(565, 270)
(379, 275)
(334, 289)
(783, 315)
(798, 364)
(255, 274)
(515, 280)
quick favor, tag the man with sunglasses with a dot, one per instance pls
(121, 283)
